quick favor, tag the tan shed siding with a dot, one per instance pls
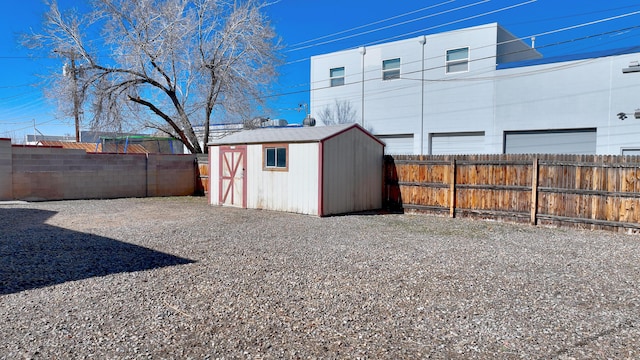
(214, 175)
(352, 176)
(303, 168)
(294, 190)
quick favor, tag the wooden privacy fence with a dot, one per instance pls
(587, 191)
(202, 174)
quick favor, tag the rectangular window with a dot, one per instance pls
(337, 76)
(391, 69)
(275, 157)
(457, 60)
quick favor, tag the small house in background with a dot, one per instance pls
(320, 171)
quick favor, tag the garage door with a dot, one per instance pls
(458, 143)
(573, 141)
(634, 151)
(397, 144)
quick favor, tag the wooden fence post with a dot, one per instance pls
(452, 190)
(534, 191)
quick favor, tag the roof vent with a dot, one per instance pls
(309, 121)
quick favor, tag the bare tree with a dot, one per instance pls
(341, 112)
(169, 65)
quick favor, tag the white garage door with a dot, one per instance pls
(574, 141)
(397, 144)
(458, 143)
(633, 151)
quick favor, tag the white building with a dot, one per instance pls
(482, 90)
(310, 170)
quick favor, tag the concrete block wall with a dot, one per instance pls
(171, 176)
(41, 173)
(6, 180)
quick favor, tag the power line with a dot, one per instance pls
(573, 15)
(18, 86)
(557, 31)
(555, 68)
(372, 23)
(403, 35)
(406, 34)
(587, 24)
(550, 69)
(541, 34)
(455, 22)
(391, 26)
(33, 124)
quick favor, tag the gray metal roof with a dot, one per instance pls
(275, 135)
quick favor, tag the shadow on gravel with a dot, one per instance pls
(34, 254)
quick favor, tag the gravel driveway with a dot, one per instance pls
(175, 278)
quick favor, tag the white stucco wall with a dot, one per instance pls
(574, 94)
(560, 95)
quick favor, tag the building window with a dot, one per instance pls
(391, 69)
(276, 157)
(458, 60)
(337, 76)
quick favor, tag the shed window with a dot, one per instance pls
(391, 69)
(337, 76)
(457, 60)
(275, 157)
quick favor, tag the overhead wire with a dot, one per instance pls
(573, 63)
(393, 25)
(572, 16)
(441, 25)
(516, 39)
(407, 34)
(551, 32)
(381, 21)
(371, 24)
(453, 22)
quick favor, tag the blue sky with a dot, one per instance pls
(311, 27)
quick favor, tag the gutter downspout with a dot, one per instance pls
(422, 41)
(363, 51)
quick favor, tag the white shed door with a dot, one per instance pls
(578, 141)
(457, 143)
(233, 182)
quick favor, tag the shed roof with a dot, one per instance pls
(288, 135)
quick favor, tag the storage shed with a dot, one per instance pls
(320, 171)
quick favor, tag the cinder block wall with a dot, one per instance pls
(6, 180)
(40, 173)
(171, 175)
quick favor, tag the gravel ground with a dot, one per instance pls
(176, 278)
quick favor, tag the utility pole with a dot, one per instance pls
(76, 111)
(74, 80)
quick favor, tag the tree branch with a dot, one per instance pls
(166, 118)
